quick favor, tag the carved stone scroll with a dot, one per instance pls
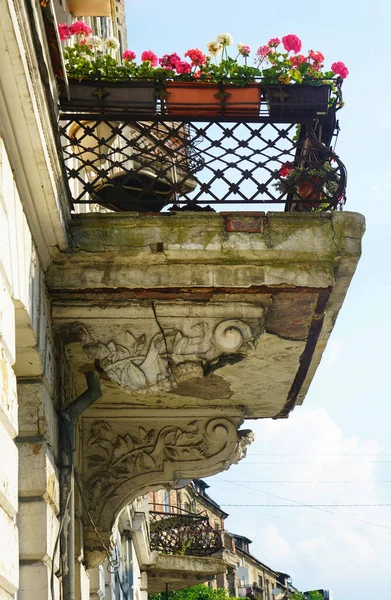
(165, 358)
(125, 458)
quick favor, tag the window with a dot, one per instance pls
(260, 581)
(267, 585)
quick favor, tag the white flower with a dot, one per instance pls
(214, 48)
(225, 39)
(94, 41)
(112, 43)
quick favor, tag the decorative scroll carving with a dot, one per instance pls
(135, 363)
(128, 457)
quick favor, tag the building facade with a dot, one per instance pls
(132, 346)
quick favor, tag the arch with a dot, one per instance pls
(128, 457)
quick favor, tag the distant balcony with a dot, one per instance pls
(182, 533)
(251, 591)
(136, 147)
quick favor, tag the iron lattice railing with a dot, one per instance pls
(121, 162)
(181, 532)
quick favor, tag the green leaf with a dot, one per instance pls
(296, 75)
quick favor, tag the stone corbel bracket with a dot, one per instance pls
(125, 458)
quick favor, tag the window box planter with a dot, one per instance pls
(86, 8)
(295, 100)
(212, 99)
(132, 96)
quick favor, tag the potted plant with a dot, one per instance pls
(295, 83)
(313, 186)
(204, 87)
(97, 79)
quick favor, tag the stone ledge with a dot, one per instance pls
(37, 416)
(38, 475)
(38, 529)
(9, 578)
(181, 571)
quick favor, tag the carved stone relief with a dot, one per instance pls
(168, 356)
(125, 458)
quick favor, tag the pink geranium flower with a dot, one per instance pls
(64, 31)
(244, 50)
(263, 51)
(274, 42)
(339, 68)
(292, 43)
(169, 61)
(128, 55)
(151, 57)
(198, 58)
(80, 28)
(182, 67)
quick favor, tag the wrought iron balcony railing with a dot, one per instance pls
(254, 592)
(182, 532)
(143, 157)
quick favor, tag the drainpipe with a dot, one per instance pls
(67, 442)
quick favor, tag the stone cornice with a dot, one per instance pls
(27, 130)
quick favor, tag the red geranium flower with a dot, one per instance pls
(64, 31)
(150, 56)
(339, 68)
(198, 58)
(285, 169)
(80, 28)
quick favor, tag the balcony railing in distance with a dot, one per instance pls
(147, 153)
(174, 530)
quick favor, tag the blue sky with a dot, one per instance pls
(346, 415)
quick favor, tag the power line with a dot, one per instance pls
(315, 507)
(320, 453)
(301, 522)
(316, 462)
(300, 505)
(308, 481)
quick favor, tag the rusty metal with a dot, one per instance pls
(179, 531)
(144, 161)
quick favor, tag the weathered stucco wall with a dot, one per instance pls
(27, 412)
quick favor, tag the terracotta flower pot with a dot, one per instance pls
(211, 99)
(310, 191)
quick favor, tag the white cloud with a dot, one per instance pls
(333, 352)
(317, 547)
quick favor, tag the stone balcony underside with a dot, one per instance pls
(194, 321)
(196, 309)
(181, 571)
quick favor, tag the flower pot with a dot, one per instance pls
(140, 191)
(211, 99)
(297, 100)
(86, 8)
(132, 96)
(310, 191)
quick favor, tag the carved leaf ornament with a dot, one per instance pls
(113, 459)
(136, 365)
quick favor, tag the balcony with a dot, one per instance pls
(128, 147)
(182, 532)
(194, 319)
(254, 592)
